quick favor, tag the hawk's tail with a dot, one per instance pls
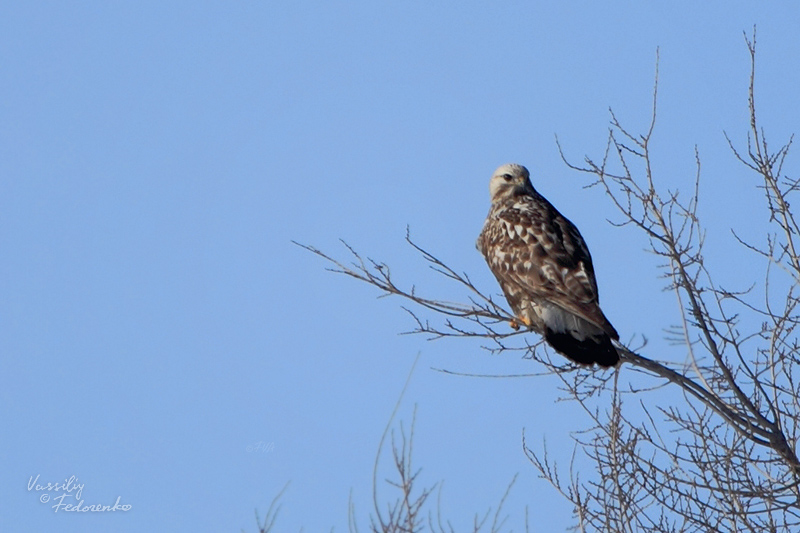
(595, 349)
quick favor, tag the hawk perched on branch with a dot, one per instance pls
(545, 270)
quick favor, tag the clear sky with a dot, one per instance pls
(164, 342)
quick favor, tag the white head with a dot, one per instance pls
(507, 179)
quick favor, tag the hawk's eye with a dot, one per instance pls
(507, 177)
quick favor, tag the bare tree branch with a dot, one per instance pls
(721, 456)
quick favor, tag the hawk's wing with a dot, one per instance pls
(531, 244)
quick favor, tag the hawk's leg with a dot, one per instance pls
(524, 320)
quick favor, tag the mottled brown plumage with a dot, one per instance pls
(545, 269)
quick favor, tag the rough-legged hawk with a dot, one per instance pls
(545, 270)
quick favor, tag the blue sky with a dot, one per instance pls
(163, 341)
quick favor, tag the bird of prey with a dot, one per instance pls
(545, 270)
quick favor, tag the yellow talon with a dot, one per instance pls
(524, 320)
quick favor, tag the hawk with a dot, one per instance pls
(545, 270)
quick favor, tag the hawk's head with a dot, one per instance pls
(508, 180)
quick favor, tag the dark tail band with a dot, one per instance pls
(592, 350)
